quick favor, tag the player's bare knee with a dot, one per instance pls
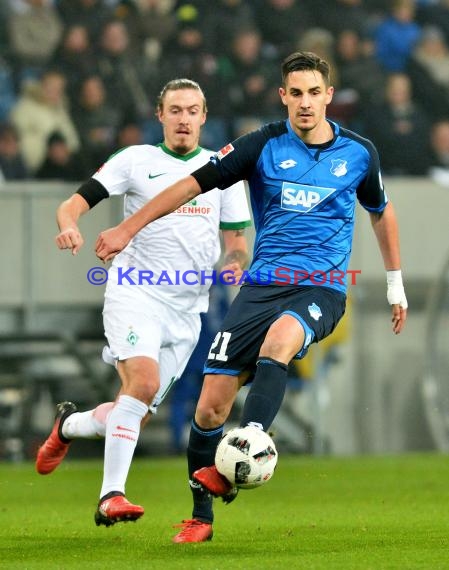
(278, 350)
(140, 378)
(209, 417)
(284, 339)
(142, 391)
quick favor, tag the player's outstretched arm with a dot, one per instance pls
(112, 241)
(385, 227)
(67, 216)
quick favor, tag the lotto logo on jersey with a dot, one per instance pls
(303, 198)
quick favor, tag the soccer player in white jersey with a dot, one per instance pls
(157, 287)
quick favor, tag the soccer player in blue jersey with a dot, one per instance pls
(305, 175)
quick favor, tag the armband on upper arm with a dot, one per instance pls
(208, 177)
(93, 192)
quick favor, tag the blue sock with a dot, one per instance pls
(201, 453)
(266, 393)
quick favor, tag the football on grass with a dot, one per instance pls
(246, 456)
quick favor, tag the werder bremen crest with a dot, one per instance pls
(132, 338)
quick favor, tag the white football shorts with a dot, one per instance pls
(136, 324)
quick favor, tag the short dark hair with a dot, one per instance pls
(175, 85)
(305, 61)
(56, 137)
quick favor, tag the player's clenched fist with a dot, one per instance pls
(111, 242)
(70, 239)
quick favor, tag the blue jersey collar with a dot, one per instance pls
(335, 127)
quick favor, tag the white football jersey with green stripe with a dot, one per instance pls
(171, 257)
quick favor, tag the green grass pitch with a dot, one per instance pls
(364, 513)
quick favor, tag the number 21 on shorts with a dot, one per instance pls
(219, 346)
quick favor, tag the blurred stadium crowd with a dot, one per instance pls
(80, 78)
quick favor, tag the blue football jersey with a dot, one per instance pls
(303, 199)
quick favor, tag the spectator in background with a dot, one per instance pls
(400, 128)
(150, 24)
(126, 77)
(221, 23)
(359, 73)
(91, 14)
(396, 36)
(34, 35)
(187, 55)
(336, 15)
(250, 77)
(435, 14)
(377, 8)
(75, 57)
(5, 13)
(41, 109)
(280, 22)
(12, 165)
(60, 163)
(439, 143)
(129, 134)
(97, 121)
(358, 68)
(7, 89)
(429, 72)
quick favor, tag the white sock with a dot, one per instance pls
(122, 433)
(87, 425)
